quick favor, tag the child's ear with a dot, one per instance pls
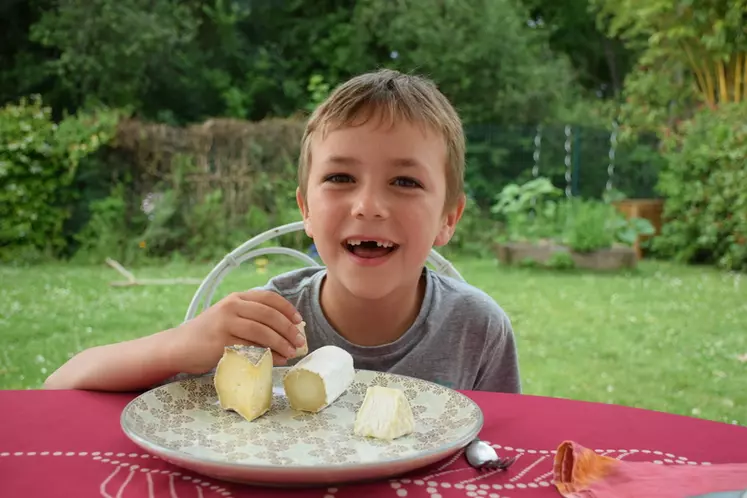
(450, 220)
(304, 212)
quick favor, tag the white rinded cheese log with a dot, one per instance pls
(319, 379)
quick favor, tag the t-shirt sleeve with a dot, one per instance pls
(499, 369)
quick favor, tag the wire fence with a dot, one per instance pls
(582, 161)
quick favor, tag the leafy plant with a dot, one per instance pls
(38, 162)
(318, 91)
(537, 212)
(690, 53)
(589, 225)
(592, 225)
(560, 260)
(705, 182)
(628, 230)
(106, 234)
(529, 210)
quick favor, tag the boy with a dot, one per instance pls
(380, 183)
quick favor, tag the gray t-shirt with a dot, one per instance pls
(460, 339)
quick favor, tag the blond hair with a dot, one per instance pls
(392, 96)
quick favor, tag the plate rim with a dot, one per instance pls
(179, 455)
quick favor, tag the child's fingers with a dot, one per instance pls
(254, 311)
(275, 301)
(252, 330)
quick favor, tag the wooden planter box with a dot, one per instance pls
(649, 209)
(615, 258)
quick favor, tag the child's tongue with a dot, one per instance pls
(370, 251)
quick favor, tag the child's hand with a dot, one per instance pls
(255, 317)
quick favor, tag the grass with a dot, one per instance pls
(664, 337)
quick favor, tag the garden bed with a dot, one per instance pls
(614, 258)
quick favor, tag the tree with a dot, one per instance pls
(104, 48)
(599, 61)
(483, 54)
(691, 52)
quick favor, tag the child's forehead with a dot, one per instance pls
(376, 115)
(371, 127)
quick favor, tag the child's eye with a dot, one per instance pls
(407, 182)
(338, 178)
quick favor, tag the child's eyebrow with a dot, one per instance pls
(403, 162)
(406, 162)
(342, 160)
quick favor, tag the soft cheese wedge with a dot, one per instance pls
(243, 380)
(319, 379)
(303, 350)
(384, 414)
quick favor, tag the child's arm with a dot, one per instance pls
(124, 366)
(254, 317)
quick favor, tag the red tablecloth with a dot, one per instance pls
(69, 444)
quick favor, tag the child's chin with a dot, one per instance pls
(369, 289)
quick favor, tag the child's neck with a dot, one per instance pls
(371, 322)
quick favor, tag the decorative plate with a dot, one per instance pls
(182, 423)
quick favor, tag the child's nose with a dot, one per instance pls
(370, 204)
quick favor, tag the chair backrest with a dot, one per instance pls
(247, 251)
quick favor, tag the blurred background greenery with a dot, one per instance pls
(164, 133)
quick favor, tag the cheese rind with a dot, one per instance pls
(243, 380)
(384, 414)
(319, 379)
(303, 350)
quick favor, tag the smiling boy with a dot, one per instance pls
(380, 184)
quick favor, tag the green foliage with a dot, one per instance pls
(589, 225)
(482, 54)
(530, 210)
(560, 260)
(104, 46)
(599, 61)
(504, 65)
(189, 214)
(318, 90)
(705, 182)
(107, 234)
(38, 162)
(536, 211)
(475, 233)
(690, 53)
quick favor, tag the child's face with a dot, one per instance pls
(382, 184)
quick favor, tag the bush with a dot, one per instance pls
(705, 182)
(38, 163)
(195, 192)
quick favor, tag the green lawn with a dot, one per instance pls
(664, 337)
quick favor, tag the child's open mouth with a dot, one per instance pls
(370, 249)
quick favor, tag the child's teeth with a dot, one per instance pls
(354, 242)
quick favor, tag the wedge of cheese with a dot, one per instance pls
(303, 350)
(319, 379)
(243, 380)
(384, 414)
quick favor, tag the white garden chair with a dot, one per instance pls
(247, 251)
